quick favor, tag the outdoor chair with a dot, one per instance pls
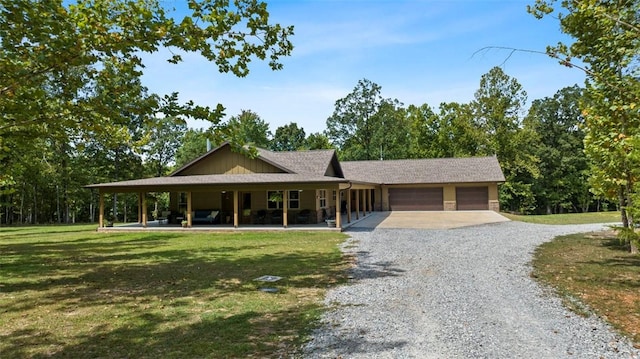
(276, 216)
(261, 216)
(164, 216)
(303, 216)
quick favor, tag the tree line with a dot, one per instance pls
(74, 111)
(540, 149)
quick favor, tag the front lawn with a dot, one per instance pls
(596, 271)
(68, 291)
(567, 218)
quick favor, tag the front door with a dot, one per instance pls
(226, 204)
(245, 207)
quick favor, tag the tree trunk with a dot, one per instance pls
(58, 204)
(34, 219)
(22, 206)
(623, 207)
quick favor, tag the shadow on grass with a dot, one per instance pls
(210, 337)
(28, 231)
(171, 274)
(155, 283)
(619, 270)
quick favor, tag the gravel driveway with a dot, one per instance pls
(459, 293)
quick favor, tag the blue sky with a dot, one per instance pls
(419, 51)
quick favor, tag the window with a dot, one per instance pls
(274, 199)
(294, 199)
(334, 196)
(322, 197)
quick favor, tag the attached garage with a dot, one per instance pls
(416, 199)
(430, 184)
(472, 198)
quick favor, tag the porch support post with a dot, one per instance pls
(144, 209)
(139, 207)
(357, 204)
(189, 223)
(365, 201)
(285, 207)
(338, 209)
(235, 209)
(369, 201)
(348, 196)
(101, 210)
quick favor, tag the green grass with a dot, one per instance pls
(68, 291)
(567, 218)
(593, 272)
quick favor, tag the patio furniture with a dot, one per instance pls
(303, 216)
(205, 216)
(164, 216)
(276, 216)
(261, 217)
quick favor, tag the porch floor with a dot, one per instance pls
(161, 226)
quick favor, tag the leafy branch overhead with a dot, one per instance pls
(607, 39)
(59, 63)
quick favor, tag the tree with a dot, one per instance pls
(460, 133)
(498, 107)
(558, 123)
(164, 139)
(247, 128)
(194, 145)
(391, 131)
(607, 40)
(317, 141)
(54, 56)
(351, 126)
(364, 126)
(288, 138)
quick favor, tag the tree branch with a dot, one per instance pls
(566, 62)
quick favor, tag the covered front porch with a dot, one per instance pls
(325, 206)
(157, 225)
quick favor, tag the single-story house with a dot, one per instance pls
(227, 187)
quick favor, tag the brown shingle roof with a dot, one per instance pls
(313, 162)
(436, 170)
(312, 166)
(255, 178)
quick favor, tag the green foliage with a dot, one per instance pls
(247, 128)
(288, 138)
(164, 138)
(70, 88)
(52, 55)
(352, 125)
(606, 38)
(563, 182)
(453, 132)
(194, 145)
(365, 126)
(317, 141)
(498, 108)
(627, 236)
